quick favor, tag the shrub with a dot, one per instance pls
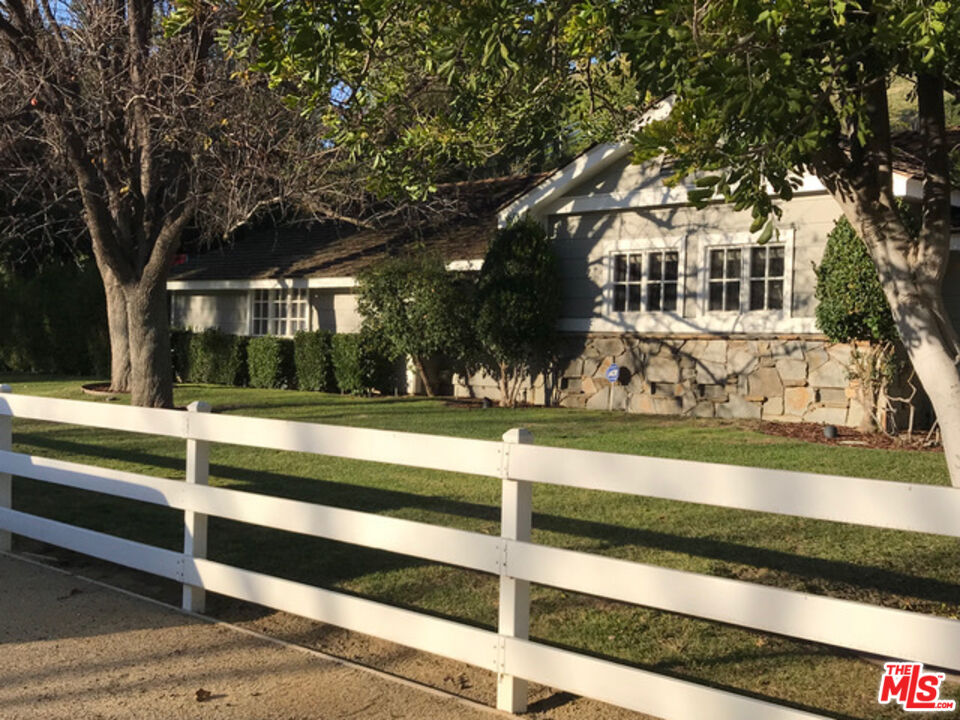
(851, 304)
(517, 306)
(54, 321)
(360, 364)
(852, 307)
(218, 358)
(312, 358)
(418, 306)
(270, 362)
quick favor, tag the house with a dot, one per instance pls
(700, 318)
(280, 280)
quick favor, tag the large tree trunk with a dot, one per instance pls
(119, 332)
(931, 344)
(152, 379)
(916, 301)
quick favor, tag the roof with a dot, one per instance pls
(328, 249)
(908, 150)
(907, 162)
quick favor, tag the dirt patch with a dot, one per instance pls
(101, 389)
(849, 437)
(432, 671)
(72, 649)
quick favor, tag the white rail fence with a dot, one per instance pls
(518, 463)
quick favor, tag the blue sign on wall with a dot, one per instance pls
(613, 372)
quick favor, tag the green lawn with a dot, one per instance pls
(903, 570)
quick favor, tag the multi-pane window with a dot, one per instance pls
(261, 312)
(627, 282)
(279, 312)
(761, 269)
(766, 277)
(658, 285)
(724, 279)
(662, 272)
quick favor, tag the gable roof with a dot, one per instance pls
(907, 166)
(329, 249)
(589, 163)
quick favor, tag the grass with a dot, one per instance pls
(895, 569)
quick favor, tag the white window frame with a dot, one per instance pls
(744, 241)
(634, 319)
(290, 298)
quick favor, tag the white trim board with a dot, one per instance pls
(750, 323)
(261, 284)
(329, 283)
(583, 167)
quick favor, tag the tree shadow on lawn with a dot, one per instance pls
(326, 563)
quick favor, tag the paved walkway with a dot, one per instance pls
(70, 649)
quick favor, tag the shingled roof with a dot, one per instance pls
(908, 150)
(327, 249)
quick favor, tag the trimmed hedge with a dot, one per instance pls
(360, 364)
(217, 358)
(270, 362)
(54, 322)
(318, 361)
(313, 360)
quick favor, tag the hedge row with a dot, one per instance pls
(319, 361)
(54, 322)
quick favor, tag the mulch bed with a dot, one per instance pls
(848, 437)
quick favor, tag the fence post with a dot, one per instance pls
(6, 482)
(516, 519)
(194, 523)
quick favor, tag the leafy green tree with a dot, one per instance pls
(417, 306)
(517, 307)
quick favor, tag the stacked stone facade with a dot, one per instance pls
(776, 379)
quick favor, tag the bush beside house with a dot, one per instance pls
(852, 308)
(312, 358)
(316, 361)
(215, 357)
(270, 362)
(360, 364)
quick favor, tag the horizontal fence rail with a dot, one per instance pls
(511, 555)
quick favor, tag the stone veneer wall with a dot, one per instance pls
(777, 379)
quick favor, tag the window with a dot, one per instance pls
(766, 278)
(279, 312)
(724, 280)
(760, 268)
(653, 291)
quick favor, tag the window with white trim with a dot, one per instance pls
(760, 270)
(645, 281)
(279, 312)
(726, 269)
(766, 277)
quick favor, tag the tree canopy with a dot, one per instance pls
(763, 91)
